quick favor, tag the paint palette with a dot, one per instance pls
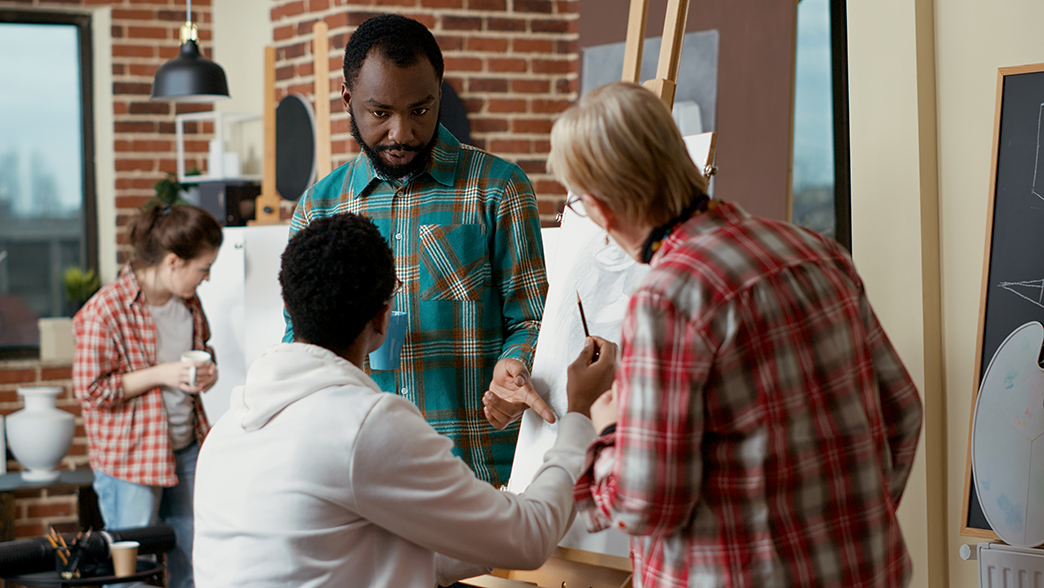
(1008, 439)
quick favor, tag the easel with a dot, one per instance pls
(267, 204)
(573, 567)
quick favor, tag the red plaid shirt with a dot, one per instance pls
(767, 427)
(115, 334)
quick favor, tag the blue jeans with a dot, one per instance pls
(125, 505)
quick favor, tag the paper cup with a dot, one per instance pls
(386, 357)
(124, 557)
(195, 358)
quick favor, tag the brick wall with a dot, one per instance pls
(513, 63)
(37, 510)
(145, 35)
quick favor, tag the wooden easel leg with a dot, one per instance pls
(632, 68)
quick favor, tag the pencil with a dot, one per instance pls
(583, 321)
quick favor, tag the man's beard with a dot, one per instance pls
(396, 172)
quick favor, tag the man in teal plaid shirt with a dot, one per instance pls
(464, 228)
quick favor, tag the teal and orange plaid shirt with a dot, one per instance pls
(466, 238)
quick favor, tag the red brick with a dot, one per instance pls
(489, 125)
(357, 18)
(450, 43)
(542, 146)
(142, 69)
(49, 510)
(550, 106)
(149, 108)
(133, 51)
(133, 184)
(461, 23)
(534, 166)
(291, 51)
(486, 44)
(148, 33)
(135, 127)
(544, 6)
(285, 72)
(56, 373)
(119, 108)
(284, 32)
(442, 3)
(549, 26)
(564, 86)
(117, 32)
(473, 105)
(118, 69)
(532, 46)
(305, 70)
(564, 47)
(130, 202)
(510, 146)
(318, 5)
(531, 126)
(336, 20)
(172, 15)
(548, 66)
(395, 2)
(129, 88)
(505, 24)
(487, 4)
(134, 165)
(456, 83)
(514, 65)
(530, 86)
(304, 28)
(123, 14)
(462, 64)
(487, 85)
(549, 187)
(17, 376)
(168, 53)
(507, 105)
(546, 206)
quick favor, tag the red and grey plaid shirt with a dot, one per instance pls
(766, 425)
(115, 334)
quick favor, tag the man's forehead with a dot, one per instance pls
(382, 82)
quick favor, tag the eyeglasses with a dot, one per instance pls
(399, 287)
(572, 200)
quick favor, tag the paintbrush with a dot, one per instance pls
(583, 320)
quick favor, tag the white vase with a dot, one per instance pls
(40, 434)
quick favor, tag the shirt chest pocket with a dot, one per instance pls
(454, 264)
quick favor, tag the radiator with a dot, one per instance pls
(1004, 566)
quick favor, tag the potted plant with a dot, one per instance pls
(169, 190)
(79, 287)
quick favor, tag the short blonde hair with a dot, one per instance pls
(620, 144)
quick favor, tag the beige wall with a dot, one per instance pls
(241, 31)
(922, 107)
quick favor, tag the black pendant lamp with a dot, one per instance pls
(190, 77)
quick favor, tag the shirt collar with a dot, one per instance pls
(130, 287)
(441, 165)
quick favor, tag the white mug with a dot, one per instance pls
(193, 358)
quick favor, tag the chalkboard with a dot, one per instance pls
(1013, 265)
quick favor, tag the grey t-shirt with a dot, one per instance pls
(174, 337)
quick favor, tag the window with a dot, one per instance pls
(47, 215)
(820, 180)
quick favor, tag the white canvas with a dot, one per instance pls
(604, 276)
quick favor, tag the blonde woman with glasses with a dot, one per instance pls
(760, 427)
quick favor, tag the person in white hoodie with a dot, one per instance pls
(315, 477)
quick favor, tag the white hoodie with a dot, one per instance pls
(317, 478)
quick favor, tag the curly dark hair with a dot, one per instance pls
(401, 40)
(336, 275)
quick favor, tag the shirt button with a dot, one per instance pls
(398, 236)
(403, 391)
(399, 193)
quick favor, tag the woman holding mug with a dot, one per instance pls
(141, 405)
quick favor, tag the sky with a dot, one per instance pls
(40, 117)
(813, 99)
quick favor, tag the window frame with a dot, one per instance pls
(89, 254)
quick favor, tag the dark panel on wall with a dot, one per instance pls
(755, 88)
